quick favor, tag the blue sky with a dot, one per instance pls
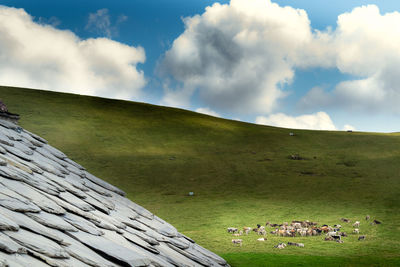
(313, 84)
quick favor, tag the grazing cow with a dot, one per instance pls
(262, 232)
(274, 232)
(329, 238)
(361, 237)
(319, 231)
(356, 224)
(237, 242)
(247, 230)
(331, 233)
(292, 233)
(337, 226)
(280, 246)
(367, 217)
(282, 232)
(232, 230)
(303, 232)
(345, 220)
(377, 222)
(356, 231)
(314, 232)
(236, 234)
(325, 229)
(262, 239)
(297, 225)
(301, 245)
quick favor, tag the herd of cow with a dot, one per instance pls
(299, 228)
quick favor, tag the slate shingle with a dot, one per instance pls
(55, 213)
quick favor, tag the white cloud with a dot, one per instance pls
(367, 46)
(39, 56)
(208, 111)
(239, 55)
(316, 121)
(100, 23)
(348, 127)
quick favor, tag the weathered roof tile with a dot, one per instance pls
(61, 215)
(38, 243)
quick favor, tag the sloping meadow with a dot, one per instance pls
(240, 175)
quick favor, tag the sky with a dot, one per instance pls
(306, 64)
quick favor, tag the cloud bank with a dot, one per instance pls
(238, 56)
(40, 56)
(317, 121)
(366, 44)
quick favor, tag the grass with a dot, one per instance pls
(241, 174)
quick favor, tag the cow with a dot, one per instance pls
(262, 239)
(329, 238)
(301, 245)
(246, 230)
(232, 230)
(356, 224)
(331, 233)
(297, 225)
(356, 231)
(367, 217)
(345, 220)
(361, 237)
(262, 232)
(237, 242)
(280, 246)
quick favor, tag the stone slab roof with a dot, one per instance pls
(55, 213)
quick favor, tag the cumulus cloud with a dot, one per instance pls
(238, 56)
(208, 111)
(40, 56)
(316, 121)
(366, 45)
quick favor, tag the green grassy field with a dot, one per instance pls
(240, 174)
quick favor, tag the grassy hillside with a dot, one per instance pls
(240, 174)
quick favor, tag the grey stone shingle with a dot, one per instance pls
(55, 213)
